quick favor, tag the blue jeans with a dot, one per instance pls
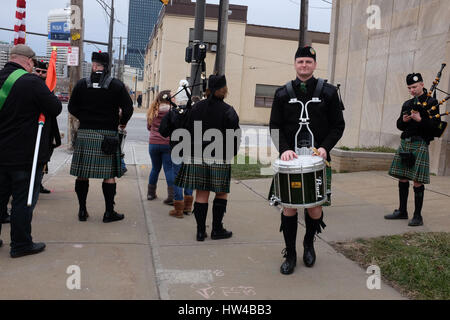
(160, 156)
(178, 192)
(16, 183)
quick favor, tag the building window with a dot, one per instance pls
(264, 95)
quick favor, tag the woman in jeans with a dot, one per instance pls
(159, 148)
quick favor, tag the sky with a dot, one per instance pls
(278, 13)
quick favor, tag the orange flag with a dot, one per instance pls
(51, 71)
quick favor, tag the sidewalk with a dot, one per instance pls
(151, 255)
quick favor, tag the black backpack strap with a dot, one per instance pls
(290, 90)
(319, 88)
(107, 82)
(341, 103)
(88, 82)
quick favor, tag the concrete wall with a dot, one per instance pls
(354, 161)
(372, 65)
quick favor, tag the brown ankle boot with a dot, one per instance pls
(188, 204)
(177, 212)
(170, 193)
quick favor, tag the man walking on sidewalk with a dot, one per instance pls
(23, 98)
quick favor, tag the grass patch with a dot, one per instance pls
(247, 170)
(416, 264)
(369, 149)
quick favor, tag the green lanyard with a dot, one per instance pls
(9, 83)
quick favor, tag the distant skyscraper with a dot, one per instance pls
(142, 17)
(5, 48)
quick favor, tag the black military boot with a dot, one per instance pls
(218, 231)
(289, 227)
(402, 212)
(418, 200)
(313, 226)
(151, 192)
(200, 213)
(109, 191)
(44, 190)
(82, 189)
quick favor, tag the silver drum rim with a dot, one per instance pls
(306, 205)
(277, 168)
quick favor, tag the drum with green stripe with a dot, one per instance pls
(300, 183)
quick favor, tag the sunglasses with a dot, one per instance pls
(41, 71)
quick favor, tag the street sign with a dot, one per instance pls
(72, 56)
(59, 34)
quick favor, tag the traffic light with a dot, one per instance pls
(164, 2)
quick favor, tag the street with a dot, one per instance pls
(136, 129)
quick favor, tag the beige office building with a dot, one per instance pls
(259, 58)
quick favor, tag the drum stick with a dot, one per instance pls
(316, 152)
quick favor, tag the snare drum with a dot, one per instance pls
(300, 183)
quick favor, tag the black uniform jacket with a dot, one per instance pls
(424, 128)
(98, 109)
(28, 98)
(213, 113)
(326, 118)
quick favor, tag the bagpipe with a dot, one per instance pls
(433, 112)
(174, 119)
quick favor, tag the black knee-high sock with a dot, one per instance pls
(313, 226)
(82, 189)
(109, 191)
(219, 208)
(289, 227)
(403, 191)
(200, 213)
(418, 200)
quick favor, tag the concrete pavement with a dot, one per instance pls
(151, 255)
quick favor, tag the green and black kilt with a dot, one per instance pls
(205, 176)
(88, 159)
(326, 203)
(420, 172)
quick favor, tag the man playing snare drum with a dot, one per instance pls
(327, 125)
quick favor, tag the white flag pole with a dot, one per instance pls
(35, 159)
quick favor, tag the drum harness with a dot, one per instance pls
(306, 142)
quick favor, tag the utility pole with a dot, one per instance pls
(120, 59)
(303, 37)
(200, 8)
(75, 72)
(135, 86)
(222, 37)
(111, 33)
(121, 64)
